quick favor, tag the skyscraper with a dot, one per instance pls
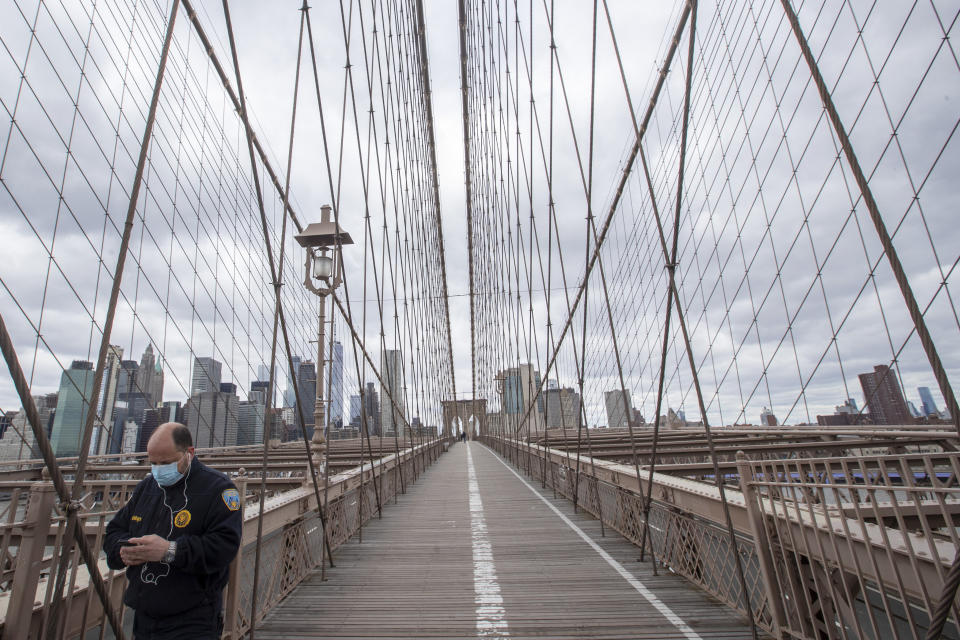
(614, 402)
(371, 407)
(107, 399)
(883, 397)
(251, 414)
(131, 435)
(206, 375)
(767, 418)
(212, 417)
(517, 386)
(150, 377)
(290, 396)
(151, 420)
(76, 387)
(354, 408)
(336, 384)
(391, 370)
(263, 376)
(307, 387)
(170, 411)
(259, 391)
(928, 406)
(18, 442)
(250, 417)
(562, 407)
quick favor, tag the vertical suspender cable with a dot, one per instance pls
(274, 273)
(268, 418)
(673, 294)
(919, 323)
(72, 505)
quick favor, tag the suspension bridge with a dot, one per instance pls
(507, 319)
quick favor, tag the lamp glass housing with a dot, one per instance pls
(322, 267)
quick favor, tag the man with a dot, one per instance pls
(176, 536)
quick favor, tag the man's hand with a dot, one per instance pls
(149, 548)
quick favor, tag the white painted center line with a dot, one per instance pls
(676, 620)
(491, 617)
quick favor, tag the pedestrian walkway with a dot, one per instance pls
(475, 550)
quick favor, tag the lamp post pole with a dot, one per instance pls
(318, 407)
(323, 274)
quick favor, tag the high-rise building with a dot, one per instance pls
(290, 396)
(391, 370)
(150, 377)
(5, 421)
(913, 410)
(336, 384)
(927, 405)
(18, 442)
(250, 417)
(73, 403)
(849, 407)
(371, 408)
(107, 399)
(206, 375)
(562, 407)
(767, 418)
(151, 420)
(517, 387)
(212, 418)
(277, 427)
(171, 411)
(259, 391)
(263, 382)
(131, 435)
(307, 387)
(617, 413)
(134, 397)
(881, 391)
(354, 408)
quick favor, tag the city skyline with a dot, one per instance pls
(136, 385)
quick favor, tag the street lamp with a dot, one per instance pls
(323, 273)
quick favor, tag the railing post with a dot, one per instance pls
(761, 542)
(33, 540)
(231, 625)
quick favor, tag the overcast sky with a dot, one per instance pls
(772, 205)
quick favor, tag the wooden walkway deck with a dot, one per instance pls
(473, 550)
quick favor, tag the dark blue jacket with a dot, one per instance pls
(202, 513)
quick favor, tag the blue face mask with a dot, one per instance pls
(166, 474)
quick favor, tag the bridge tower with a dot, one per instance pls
(465, 410)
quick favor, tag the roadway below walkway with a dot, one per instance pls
(475, 550)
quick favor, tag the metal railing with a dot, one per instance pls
(844, 548)
(32, 530)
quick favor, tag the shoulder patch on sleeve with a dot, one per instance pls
(231, 498)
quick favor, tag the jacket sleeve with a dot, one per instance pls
(215, 547)
(119, 529)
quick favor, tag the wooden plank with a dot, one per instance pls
(413, 574)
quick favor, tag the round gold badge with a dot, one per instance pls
(182, 519)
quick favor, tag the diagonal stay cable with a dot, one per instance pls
(72, 506)
(275, 276)
(43, 442)
(673, 294)
(336, 219)
(953, 579)
(267, 417)
(627, 169)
